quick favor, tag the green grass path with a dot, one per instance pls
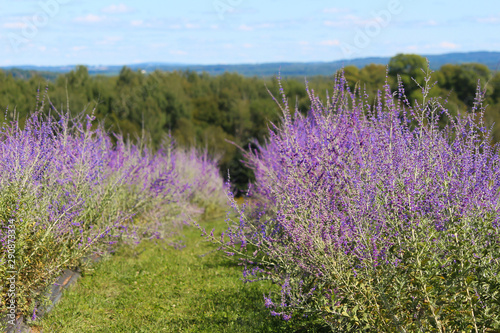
(156, 288)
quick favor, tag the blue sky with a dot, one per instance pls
(117, 32)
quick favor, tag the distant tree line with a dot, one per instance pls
(213, 112)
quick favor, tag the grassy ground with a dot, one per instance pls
(155, 288)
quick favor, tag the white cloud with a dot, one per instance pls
(148, 24)
(245, 27)
(158, 45)
(234, 10)
(191, 26)
(334, 10)
(428, 23)
(350, 21)
(178, 52)
(90, 19)
(264, 25)
(491, 19)
(331, 23)
(303, 42)
(79, 48)
(109, 40)
(42, 48)
(247, 45)
(435, 47)
(14, 25)
(332, 42)
(448, 45)
(117, 9)
(6, 62)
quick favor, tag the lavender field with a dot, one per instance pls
(235, 166)
(69, 189)
(377, 218)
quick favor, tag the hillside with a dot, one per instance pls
(490, 59)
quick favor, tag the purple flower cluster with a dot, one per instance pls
(70, 190)
(351, 190)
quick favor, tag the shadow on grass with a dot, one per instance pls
(248, 302)
(153, 288)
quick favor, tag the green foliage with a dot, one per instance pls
(151, 288)
(204, 111)
(463, 80)
(409, 67)
(381, 240)
(429, 290)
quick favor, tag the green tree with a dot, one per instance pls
(409, 67)
(464, 79)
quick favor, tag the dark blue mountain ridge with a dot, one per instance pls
(488, 58)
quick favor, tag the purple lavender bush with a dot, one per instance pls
(375, 217)
(206, 186)
(68, 191)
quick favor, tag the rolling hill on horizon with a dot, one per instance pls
(488, 58)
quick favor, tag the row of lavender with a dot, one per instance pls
(68, 189)
(377, 218)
